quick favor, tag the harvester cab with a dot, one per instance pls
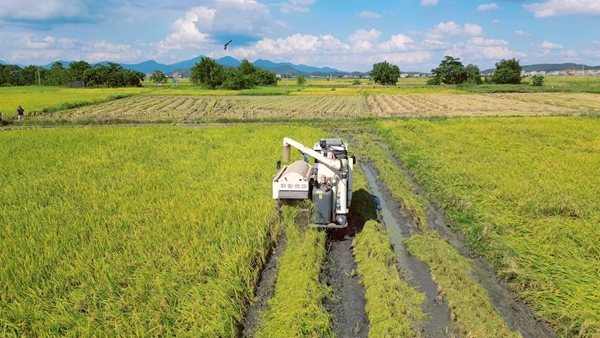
(327, 183)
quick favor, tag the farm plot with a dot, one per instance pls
(134, 231)
(194, 108)
(482, 104)
(524, 192)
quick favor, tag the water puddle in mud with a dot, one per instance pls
(413, 271)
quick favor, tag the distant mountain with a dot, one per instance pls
(228, 61)
(552, 67)
(2, 62)
(300, 68)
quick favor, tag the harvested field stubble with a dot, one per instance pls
(524, 191)
(134, 231)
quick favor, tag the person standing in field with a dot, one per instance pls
(20, 111)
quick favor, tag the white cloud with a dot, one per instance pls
(522, 33)
(36, 10)
(429, 2)
(186, 30)
(290, 47)
(398, 42)
(434, 44)
(487, 7)
(495, 21)
(364, 35)
(564, 7)
(451, 28)
(550, 45)
(296, 6)
(97, 51)
(369, 15)
(362, 51)
(478, 48)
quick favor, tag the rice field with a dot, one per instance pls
(214, 108)
(134, 231)
(525, 193)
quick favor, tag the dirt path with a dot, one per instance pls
(413, 271)
(340, 273)
(516, 314)
(264, 291)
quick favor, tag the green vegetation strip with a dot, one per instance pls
(390, 174)
(463, 300)
(525, 192)
(472, 313)
(295, 309)
(392, 305)
(153, 231)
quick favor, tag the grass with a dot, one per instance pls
(473, 314)
(393, 307)
(295, 309)
(134, 231)
(524, 191)
(34, 98)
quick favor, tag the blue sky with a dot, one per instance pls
(347, 35)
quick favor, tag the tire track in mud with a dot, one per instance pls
(265, 290)
(347, 306)
(516, 314)
(413, 271)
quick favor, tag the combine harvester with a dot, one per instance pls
(327, 183)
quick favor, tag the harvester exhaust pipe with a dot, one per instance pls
(286, 153)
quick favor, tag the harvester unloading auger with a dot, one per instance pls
(327, 183)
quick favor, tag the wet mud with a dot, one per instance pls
(264, 291)
(515, 312)
(412, 270)
(347, 305)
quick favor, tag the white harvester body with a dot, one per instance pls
(327, 183)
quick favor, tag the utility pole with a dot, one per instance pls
(39, 78)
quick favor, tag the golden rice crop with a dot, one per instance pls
(525, 192)
(134, 231)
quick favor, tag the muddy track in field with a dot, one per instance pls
(412, 270)
(340, 273)
(517, 315)
(265, 290)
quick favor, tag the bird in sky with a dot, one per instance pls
(225, 47)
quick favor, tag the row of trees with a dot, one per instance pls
(452, 72)
(110, 75)
(209, 74)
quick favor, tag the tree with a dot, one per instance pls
(385, 73)
(450, 71)
(158, 77)
(537, 80)
(207, 73)
(473, 75)
(57, 75)
(77, 69)
(507, 72)
(301, 80)
(266, 78)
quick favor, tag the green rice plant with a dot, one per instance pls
(524, 191)
(296, 309)
(392, 305)
(471, 313)
(155, 231)
(390, 174)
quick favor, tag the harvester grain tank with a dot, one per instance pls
(327, 183)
